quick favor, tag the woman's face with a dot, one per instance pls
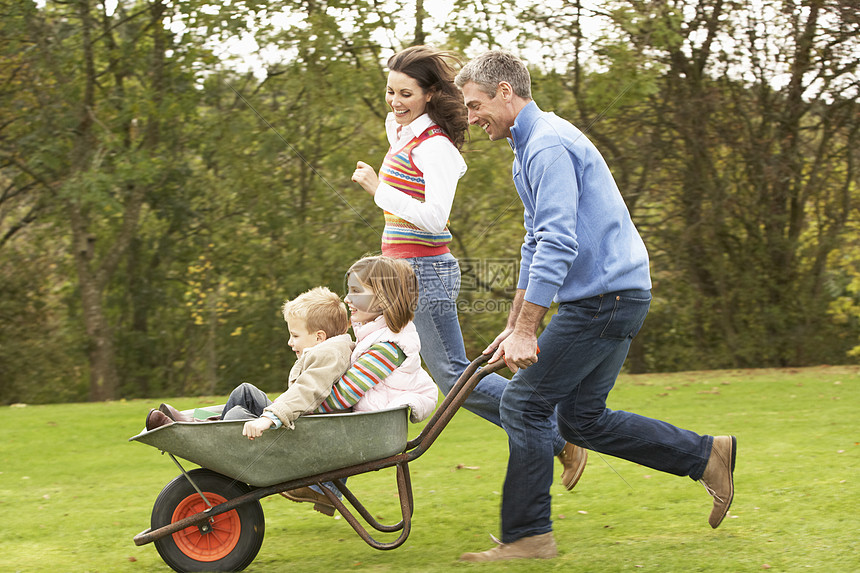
(405, 97)
(359, 299)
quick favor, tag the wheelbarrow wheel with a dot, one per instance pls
(227, 542)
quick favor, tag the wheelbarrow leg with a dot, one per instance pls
(404, 488)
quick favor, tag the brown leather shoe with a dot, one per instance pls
(718, 478)
(175, 414)
(306, 494)
(573, 459)
(156, 419)
(534, 547)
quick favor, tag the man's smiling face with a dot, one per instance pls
(492, 114)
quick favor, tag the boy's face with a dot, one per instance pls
(300, 338)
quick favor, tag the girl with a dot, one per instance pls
(386, 366)
(382, 293)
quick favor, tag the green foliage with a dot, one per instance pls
(157, 206)
(34, 289)
(844, 287)
(734, 185)
(487, 227)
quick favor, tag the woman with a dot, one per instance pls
(426, 128)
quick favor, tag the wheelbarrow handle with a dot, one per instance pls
(452, 402)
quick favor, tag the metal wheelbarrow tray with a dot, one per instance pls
(210, 518)
(319, 443)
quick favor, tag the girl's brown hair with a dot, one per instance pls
(394, 287)
(434, 71)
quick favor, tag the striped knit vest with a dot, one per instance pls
(401, 239)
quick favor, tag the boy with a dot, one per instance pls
(317, 321)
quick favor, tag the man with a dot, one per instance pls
(581, 250)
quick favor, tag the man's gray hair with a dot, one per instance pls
(490, 68)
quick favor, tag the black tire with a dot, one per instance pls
(228, 542)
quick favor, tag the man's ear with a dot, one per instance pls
(507, 91)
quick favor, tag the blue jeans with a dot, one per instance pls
(442, 347)
(582, 351)
(246, 402)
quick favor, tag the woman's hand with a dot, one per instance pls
(365, 176)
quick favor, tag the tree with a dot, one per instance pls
(85, 145)
(157, 205)
(729, 127)
(761, 195)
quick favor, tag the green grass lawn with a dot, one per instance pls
(74, 491)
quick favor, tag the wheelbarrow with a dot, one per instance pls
(211, 519)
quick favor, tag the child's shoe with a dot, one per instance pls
(320, 501)
(156, 419)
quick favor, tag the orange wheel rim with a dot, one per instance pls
(213, 545)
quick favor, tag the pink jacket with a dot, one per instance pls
(409, 384)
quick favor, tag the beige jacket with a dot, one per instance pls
(312, 377)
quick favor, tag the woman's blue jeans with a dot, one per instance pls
(582, 351)
(442, 347)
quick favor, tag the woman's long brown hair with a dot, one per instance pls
(434, 71)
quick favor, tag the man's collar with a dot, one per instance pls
(523, 123)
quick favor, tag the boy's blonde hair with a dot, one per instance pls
(394, 287)
(321, 309)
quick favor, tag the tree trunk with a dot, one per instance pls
(104, 380)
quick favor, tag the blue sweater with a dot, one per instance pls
(580, 241)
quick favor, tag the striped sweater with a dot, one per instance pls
(400, 238)
(370, 369)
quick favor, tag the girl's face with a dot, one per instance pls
(359, 299)
(405, 97)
